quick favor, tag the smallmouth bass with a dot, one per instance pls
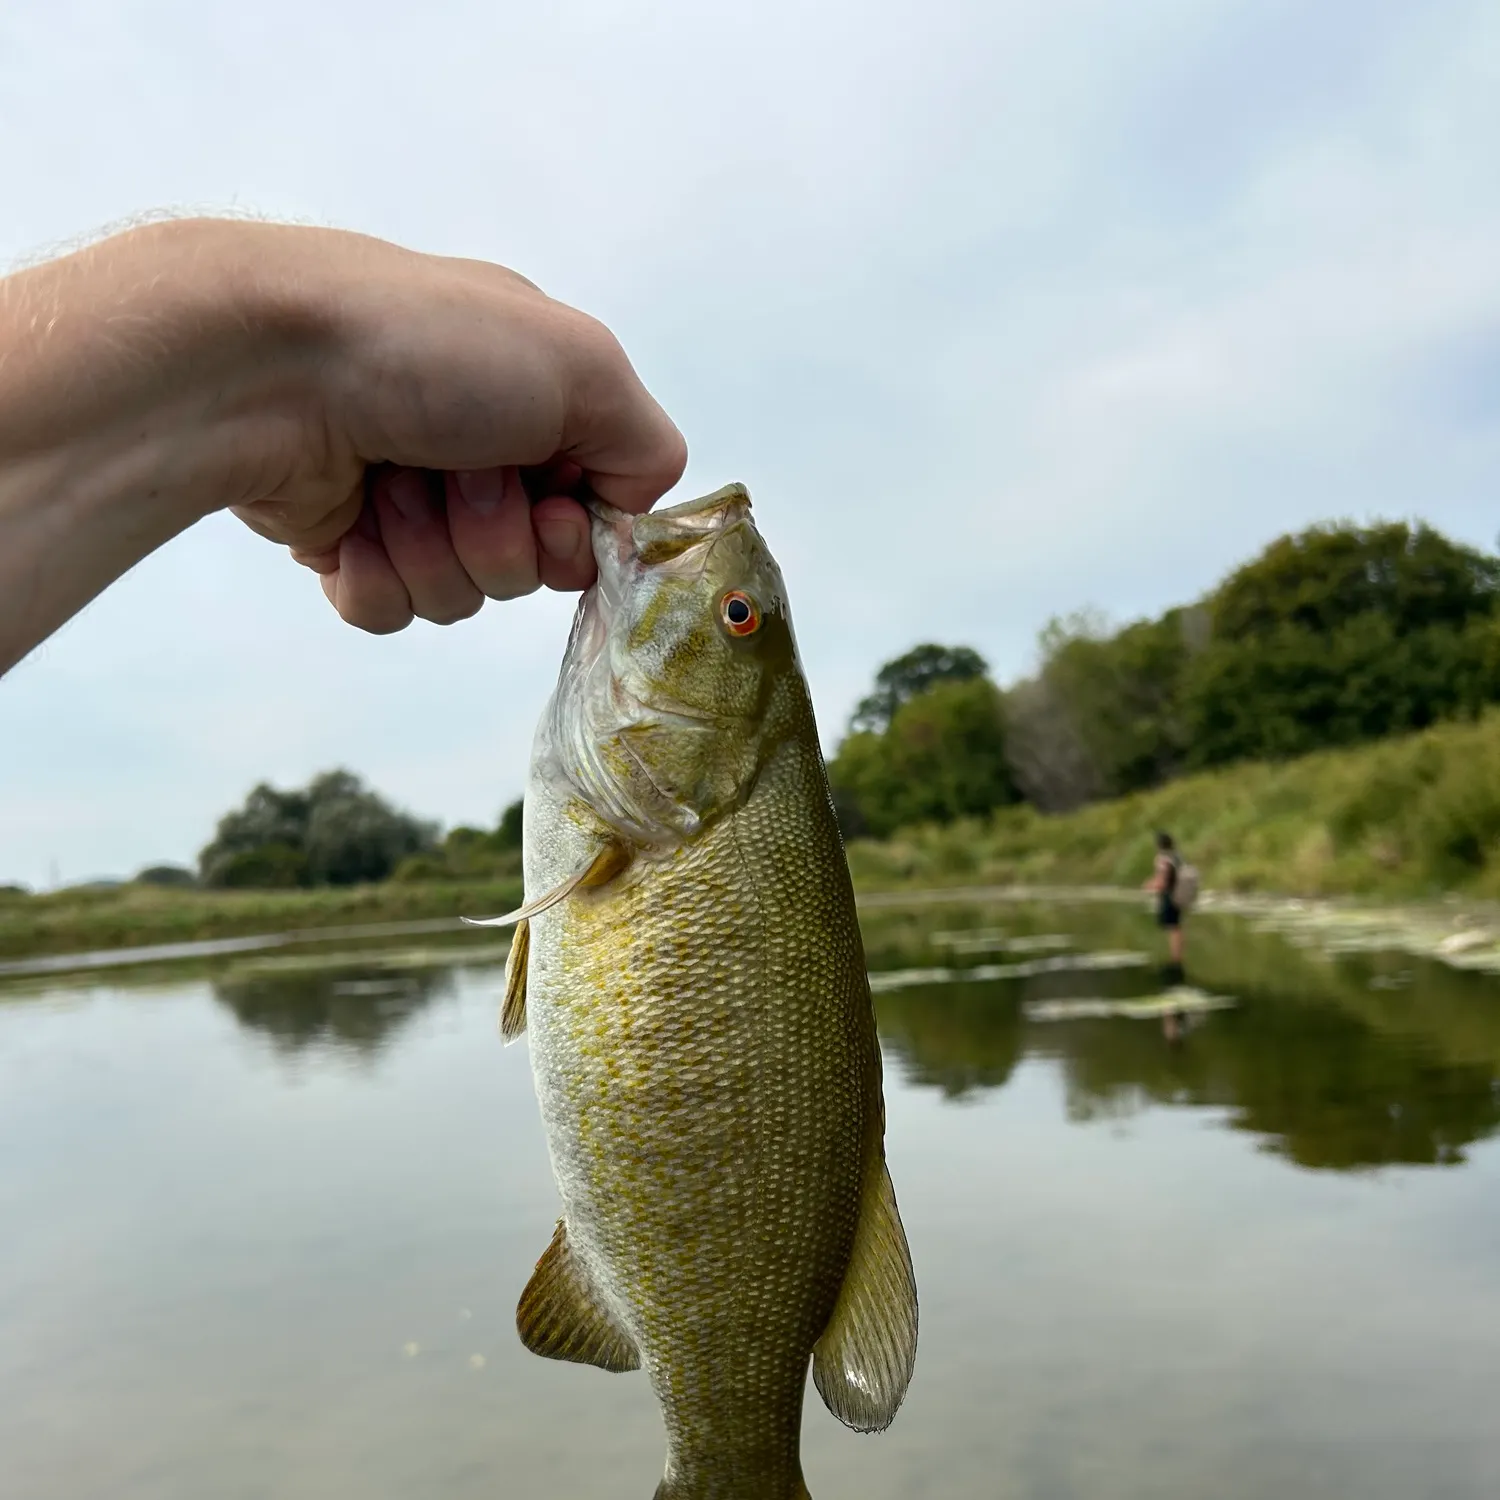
(689, 971)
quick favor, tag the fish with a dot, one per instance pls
(688, 971)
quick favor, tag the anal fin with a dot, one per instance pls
(863, 1363)
(561, 1315)
(513, 1012)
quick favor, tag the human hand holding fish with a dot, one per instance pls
(687, 963)
(412, 427)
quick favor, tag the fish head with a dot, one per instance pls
(663, 713)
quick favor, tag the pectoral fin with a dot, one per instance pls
(561, 1315)
(600, 869)
(513, 1012)
(863, 1362)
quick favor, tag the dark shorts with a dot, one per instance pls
(1167, 914)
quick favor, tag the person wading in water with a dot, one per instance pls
(1163, 882)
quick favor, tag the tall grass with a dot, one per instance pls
(1417, 816)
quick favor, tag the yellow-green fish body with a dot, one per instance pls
(699, 1016)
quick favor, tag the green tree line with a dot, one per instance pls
(337, 831)
(1330, 637)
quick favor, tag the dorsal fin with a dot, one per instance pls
(862, 1364)
(561, 1315)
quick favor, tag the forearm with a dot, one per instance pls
(144, 383)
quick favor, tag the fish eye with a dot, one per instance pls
(739, 614)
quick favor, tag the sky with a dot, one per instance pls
(1000, 309)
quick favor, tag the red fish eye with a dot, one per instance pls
(739, 613)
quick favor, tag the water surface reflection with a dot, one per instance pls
(1150, 1270)
(1307, 1058)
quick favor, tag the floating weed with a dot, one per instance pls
(899, 979)
(1001, 942)
(1177, 1002)
(371, 958)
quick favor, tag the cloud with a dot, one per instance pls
(1000, 309)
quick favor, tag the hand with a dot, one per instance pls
(415, 429)
(461, 413)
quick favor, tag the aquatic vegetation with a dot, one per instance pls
(1002, 942)
(1186, 1001)
(897, 979)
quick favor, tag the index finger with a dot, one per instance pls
(629, 449)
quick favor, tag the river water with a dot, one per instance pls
(263, 1226)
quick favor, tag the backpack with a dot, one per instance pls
(1185, 888)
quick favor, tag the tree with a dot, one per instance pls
(508, 834)
(1321, 578)
(270, 867)
(1342, 634)
(908, 676)
(941, 757)
(335, 831)
(167, 875)
(1101, 717)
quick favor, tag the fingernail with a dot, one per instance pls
(482, 490)
(561, 540)
(408, 493)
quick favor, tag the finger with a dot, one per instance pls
(415, 532)
(319, 562)
(613, 429)
(565, 556)
(561, 476)
(489, 520)
(311, 529)
(367, 591)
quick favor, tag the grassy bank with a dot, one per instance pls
(1406, 818)
(131, 915)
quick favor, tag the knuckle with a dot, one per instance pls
(512, 571)
(375, 616)
(449, 611)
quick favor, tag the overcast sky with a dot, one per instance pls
(1000, 309)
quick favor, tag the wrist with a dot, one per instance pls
(153, 365)
(144, 383)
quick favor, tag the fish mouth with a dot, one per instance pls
(622, 541)
(705, 505)
(627, 547)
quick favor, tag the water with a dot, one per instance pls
(262, 1231)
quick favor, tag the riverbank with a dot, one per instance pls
(127, 916)
(1415, 818)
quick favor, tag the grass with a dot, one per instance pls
(1410, 818)
(134, 915)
